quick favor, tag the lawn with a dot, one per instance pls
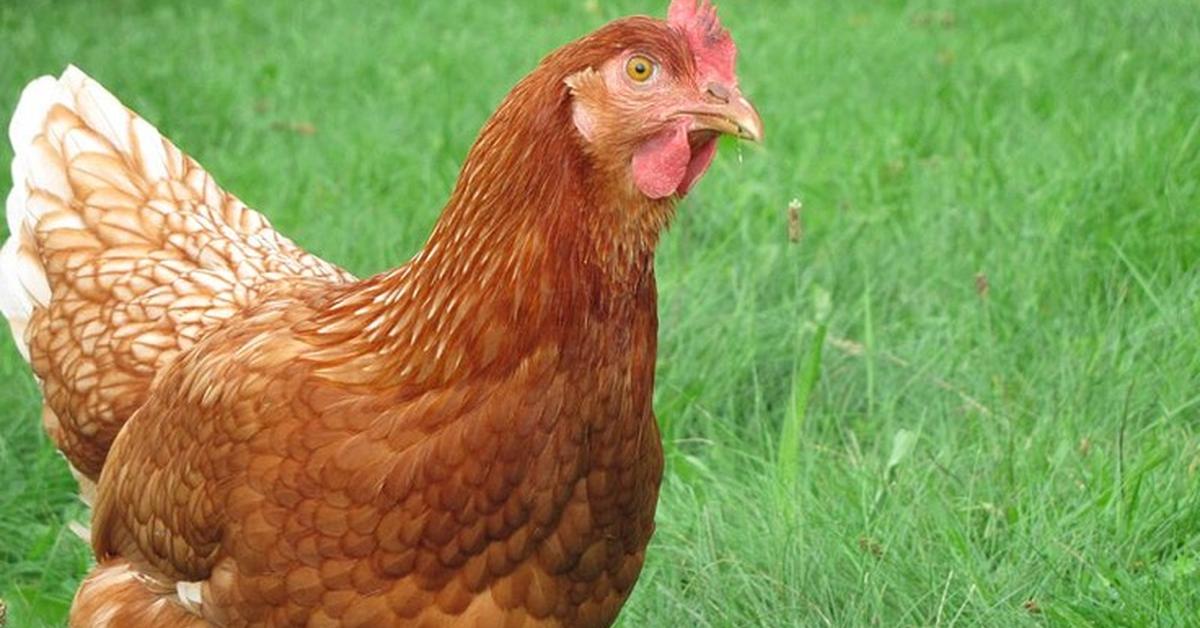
(961, 385)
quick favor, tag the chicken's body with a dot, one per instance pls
(465, 440)
(528, 493)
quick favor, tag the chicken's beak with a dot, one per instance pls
(726, 111)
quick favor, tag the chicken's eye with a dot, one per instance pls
(639, 68)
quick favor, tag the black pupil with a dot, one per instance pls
(640, 68)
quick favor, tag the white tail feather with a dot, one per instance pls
(41, 153)
(15, 302)
(122, 253)
(23, 284)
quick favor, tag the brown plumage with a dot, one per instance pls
(467, 439)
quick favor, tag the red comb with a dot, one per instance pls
(716, 55)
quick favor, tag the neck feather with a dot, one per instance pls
(534, 246)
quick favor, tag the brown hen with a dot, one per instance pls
(465, 440)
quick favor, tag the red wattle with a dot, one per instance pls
(661, 164)
(702, 158)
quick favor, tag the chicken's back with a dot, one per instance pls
(122, 253)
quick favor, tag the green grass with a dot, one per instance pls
(1001, 250)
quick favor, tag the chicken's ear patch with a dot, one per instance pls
(582, 84)
(716, 54)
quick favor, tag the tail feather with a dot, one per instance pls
(16, 303)
(23, 284)
(122, 252)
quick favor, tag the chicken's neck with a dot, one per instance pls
(533, 249)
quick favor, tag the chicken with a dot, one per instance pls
(465, 440)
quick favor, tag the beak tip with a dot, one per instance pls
(752, 131)
(750, 124)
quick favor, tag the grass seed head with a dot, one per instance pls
(795, 226)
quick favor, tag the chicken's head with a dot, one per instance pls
(657, 95)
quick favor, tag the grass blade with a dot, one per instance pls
(803, 383)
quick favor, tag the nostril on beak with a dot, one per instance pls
(718, 91)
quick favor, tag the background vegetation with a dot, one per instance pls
(964, 389)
